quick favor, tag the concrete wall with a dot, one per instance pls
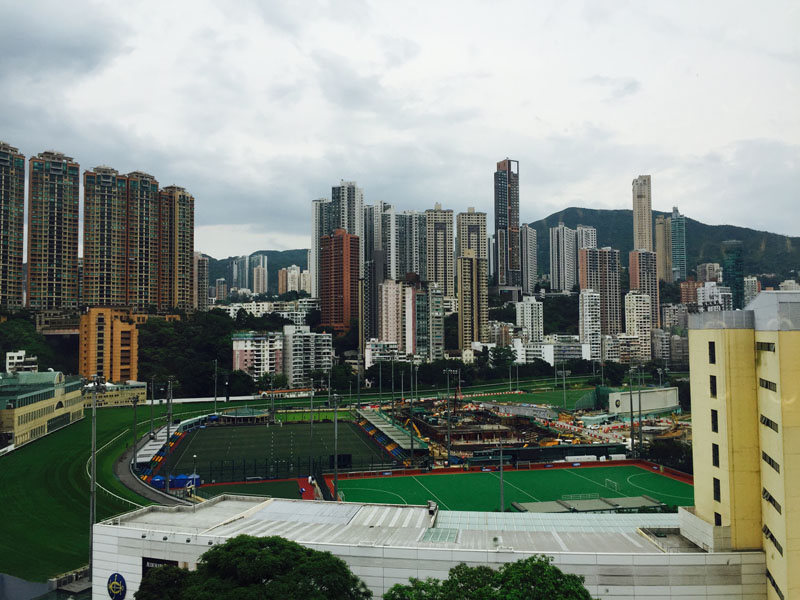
(653, 400)
(722, 576)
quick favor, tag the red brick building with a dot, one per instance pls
(339, 256)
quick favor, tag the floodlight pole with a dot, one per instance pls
(135, 438)
(335, 448)
(215, 386)
(93, 486)
(411, 414)
(630, 392)
(392, 389)
(169, 425)
(447, 373)
(641, 439)
(502, 499)
(152, 402)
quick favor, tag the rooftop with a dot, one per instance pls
(400, 526)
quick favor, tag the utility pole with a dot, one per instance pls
(392, 388)
(447, 373)
(135, 438)
(502, 499)
(641, 440)
(152, 401)
(630, 390)
(98, 381)
(169, 424)
(335, 448)
(215, 386)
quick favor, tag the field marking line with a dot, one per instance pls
(681, 497)
(360, 439)
(514, 486)
(414, 477)
(403, 500)
(97, 483)
(180, 457)
(602, 485)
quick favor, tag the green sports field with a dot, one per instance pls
(276, 489)
(238, 452)
(481, 491)
(548, 396)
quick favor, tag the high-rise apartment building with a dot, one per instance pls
(411, 244)
(339, 293)
(473, 299)
(506, 223)
(105, 220)
(258, 263)
(752, 287)
(142, 246)
(429, 319)
(374, 275)
(529, 258)
(305, 281)
(220, 289)
(585, 237)
(258, 352)
(53, 232)
(391, 297)
(733, 270)
(664, 248)
(589, 327)
(678, 248)
(109, 345)
(745, 427)
(283, 281)
(321, 224)
(530, 317)
(644, 277)
(12, 224)
(639, 323)
(347, 204)
(201, 282)
(709, 272)
(689, 291)
(292, 278)
(439, 233)
(471, 233)
(563, 276)
(642, 214)
(176, 243)
(305, 352)
(599, 271)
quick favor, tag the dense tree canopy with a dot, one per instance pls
(255, 568)
(533, 578)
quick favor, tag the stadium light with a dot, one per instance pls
(98, 385)
(335, 447)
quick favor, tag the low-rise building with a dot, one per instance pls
(35, 404)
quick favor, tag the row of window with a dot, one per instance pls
(769, 498)
(35, 414)
(769, 385)
(770, 461)
(771, 537)
(769, 423)
(774, 584)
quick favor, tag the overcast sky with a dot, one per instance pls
(259, 107)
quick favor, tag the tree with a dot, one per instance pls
(533, 578)
(500, 357)
(614, 373)
(247, 567)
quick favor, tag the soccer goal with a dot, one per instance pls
(612, 485)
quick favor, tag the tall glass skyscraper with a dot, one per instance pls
(733, 270)
(678, 234)
(506, 223)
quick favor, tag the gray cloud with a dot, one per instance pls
(618, 87)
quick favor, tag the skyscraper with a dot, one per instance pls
(473, 299)
(639, 323)
(530, 316)
(664, 248)
(642, 214)
(506, 223)
(752, 287)
(563, 275)
(201, 282)
(320, 225)
(678, 249)
(339, 297)
(529, 256)
(589, 326)
(105, 212)
(258, 261)
(142, 245)
(12, 223)
(585, 237)
(53, 232)
(733, 270)
(176, 249)
(439, 234)
(644, 277)
(347, 204)
(471, 232)
(411, 244)
(599, 271)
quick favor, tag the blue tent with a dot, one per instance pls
(194, 479)
(157, 482)
(180, 481)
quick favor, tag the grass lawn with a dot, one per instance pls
(44, 491)
(236, 452)
(276, 489)
(481, 491)
(552, 397)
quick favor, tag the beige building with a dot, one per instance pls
(473, 299)
(664, 248)
(642, 214)
(638, 323)
(35, 404)
(439, 232)
(746, 427)
(109, 344)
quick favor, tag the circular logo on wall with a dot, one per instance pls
(117, 587)
(617, 403)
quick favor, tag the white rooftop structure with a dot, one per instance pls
(388, 544)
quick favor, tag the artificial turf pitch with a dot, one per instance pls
(238, 452)
(480, 491)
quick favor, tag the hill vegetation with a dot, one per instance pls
(764, 252)
(276, 260)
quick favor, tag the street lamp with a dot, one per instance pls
(135, 438)
(336, 447)
(215, 386)
(98, 386)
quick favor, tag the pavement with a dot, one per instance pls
(123, 473)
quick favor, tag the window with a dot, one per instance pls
(770, 461)
(768, 385)
(717, 520)
(715, 455)
(714, 421)
(712, 385)
(717, 492)
(774, 584)
(769, 498)
(765, 346)
(712, 353)
(769, 423)
(771, 537)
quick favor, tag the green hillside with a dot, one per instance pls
(276, 260)
(764, 252)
